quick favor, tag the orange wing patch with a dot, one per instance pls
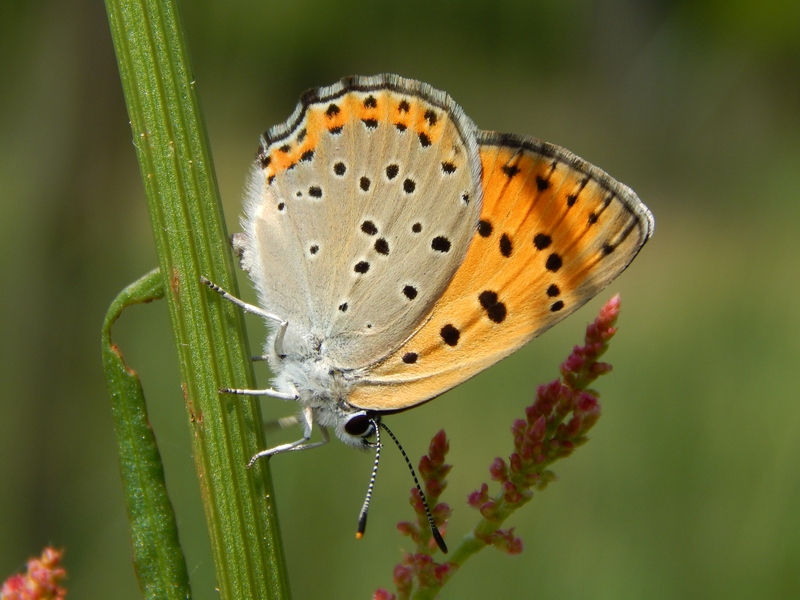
(370, 108)
(553, 232)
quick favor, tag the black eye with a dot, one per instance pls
(359, 425)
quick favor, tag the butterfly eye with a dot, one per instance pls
(359, 425)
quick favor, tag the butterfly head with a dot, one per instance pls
(353, 427)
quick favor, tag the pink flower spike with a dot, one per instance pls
(40, 582)
(382, 594)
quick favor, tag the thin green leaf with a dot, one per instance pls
(157, 555)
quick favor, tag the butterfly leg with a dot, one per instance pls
(268, 392)
(307, 416)
(283, 423)
(254, 310)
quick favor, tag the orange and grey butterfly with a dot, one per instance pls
(402, 250)
(397, 250)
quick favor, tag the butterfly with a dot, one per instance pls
(397, 250)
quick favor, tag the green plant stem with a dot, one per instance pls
(191, 240)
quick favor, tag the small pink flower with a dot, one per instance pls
(40, 582)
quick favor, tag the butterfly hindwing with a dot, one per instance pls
(553, 231)
(362, 206)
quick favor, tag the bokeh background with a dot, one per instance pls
(690, 485)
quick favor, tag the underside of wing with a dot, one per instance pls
(553, 232)
(361, 207)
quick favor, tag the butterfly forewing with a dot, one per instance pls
(553, 231)
(364, 205)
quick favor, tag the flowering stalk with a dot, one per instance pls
(41, 582)
(555, 424)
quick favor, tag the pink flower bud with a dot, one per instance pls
(442, 572)
(489, 510)
(439, 447)
(403, 579)
(586, 403)
(426, 467)
(515, 463)
(434, 488)
(511, 493)
(518, 431)
(479, 497)
(498, 470)
(538, 429)
(406, 528)
(600, 368)
(440, 513)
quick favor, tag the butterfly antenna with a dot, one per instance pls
(362, 516)
(434, 530)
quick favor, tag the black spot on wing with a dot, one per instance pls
(495, 310)
(450, 335)
(410, 292)
(506, 247)
(553, 263)
(542, 241)
(382, 246)
(440, 244)
(410, 358)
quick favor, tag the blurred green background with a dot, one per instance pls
(690, 486)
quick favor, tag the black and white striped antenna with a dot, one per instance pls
(377, 424)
